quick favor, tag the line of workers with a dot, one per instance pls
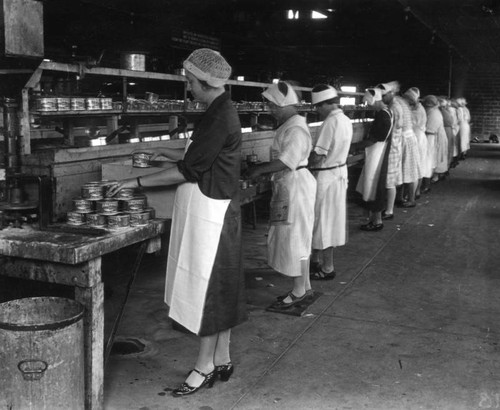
(412, 143)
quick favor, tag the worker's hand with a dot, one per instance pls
(119, 185)
(158, 152)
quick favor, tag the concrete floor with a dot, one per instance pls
(410, 322)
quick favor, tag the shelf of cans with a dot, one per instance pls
(64, 104)
(95, 208)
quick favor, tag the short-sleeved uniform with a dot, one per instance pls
(289, 242)
(333, 143)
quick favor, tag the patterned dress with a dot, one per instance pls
(394, 166)
(410, 152)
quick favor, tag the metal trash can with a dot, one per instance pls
(41, 354)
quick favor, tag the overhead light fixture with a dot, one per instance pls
(293, 14)
(240, 78)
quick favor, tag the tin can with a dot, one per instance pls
(92, 191)
(133, 61)
(118, 221)
(63, 103)
(46, 104)
(141, 160)
(126, 193)
(135, 204)
(95, 219)
(93, 103)
(82, 205)
(139, 218)
(77, 103)
(106, 103)
(107, 206)
(75, 218)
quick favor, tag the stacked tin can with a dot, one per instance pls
(96, 208)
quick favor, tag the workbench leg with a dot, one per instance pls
(93, 301)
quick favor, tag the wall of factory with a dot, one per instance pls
(480, 85)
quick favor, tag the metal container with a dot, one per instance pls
(93, 103)
(107, 206)
(95, 219)
(118, 221)
(141, 160)
(106, 103)
(136, 204)
(42, 354)
(139, 218)
(126, 193)
(75, 218)
(46, 104)
(92, 191)
(133, 61)
(77, 103)
(63, 103)
(82, 205)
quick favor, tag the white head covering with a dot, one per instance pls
(372, 95)
(413, 94)
(323, 95)
(208, 65)
(392, 86)
(274, 95)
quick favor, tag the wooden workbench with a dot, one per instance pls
(74, 259)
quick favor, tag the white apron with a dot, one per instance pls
(197, 222)
(370, 174)
(289, 241)
(330, 208)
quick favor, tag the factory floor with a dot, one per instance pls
(412, 320)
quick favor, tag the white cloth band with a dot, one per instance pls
(324, 95)
(274, 95)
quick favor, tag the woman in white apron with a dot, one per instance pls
(372, 181)
(464, 129)
(419, 120)
(437, 140)
(294, 192)
(205, 282)
(328, 163)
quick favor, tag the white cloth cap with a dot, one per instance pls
(208, 65)
(393, 86)
(324, 95)
(372, 95)
(413, 94)
(274, 95)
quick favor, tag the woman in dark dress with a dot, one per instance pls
(204, 282)
(372, 181)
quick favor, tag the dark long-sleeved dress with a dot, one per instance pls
(213, 161)
(379, 130)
